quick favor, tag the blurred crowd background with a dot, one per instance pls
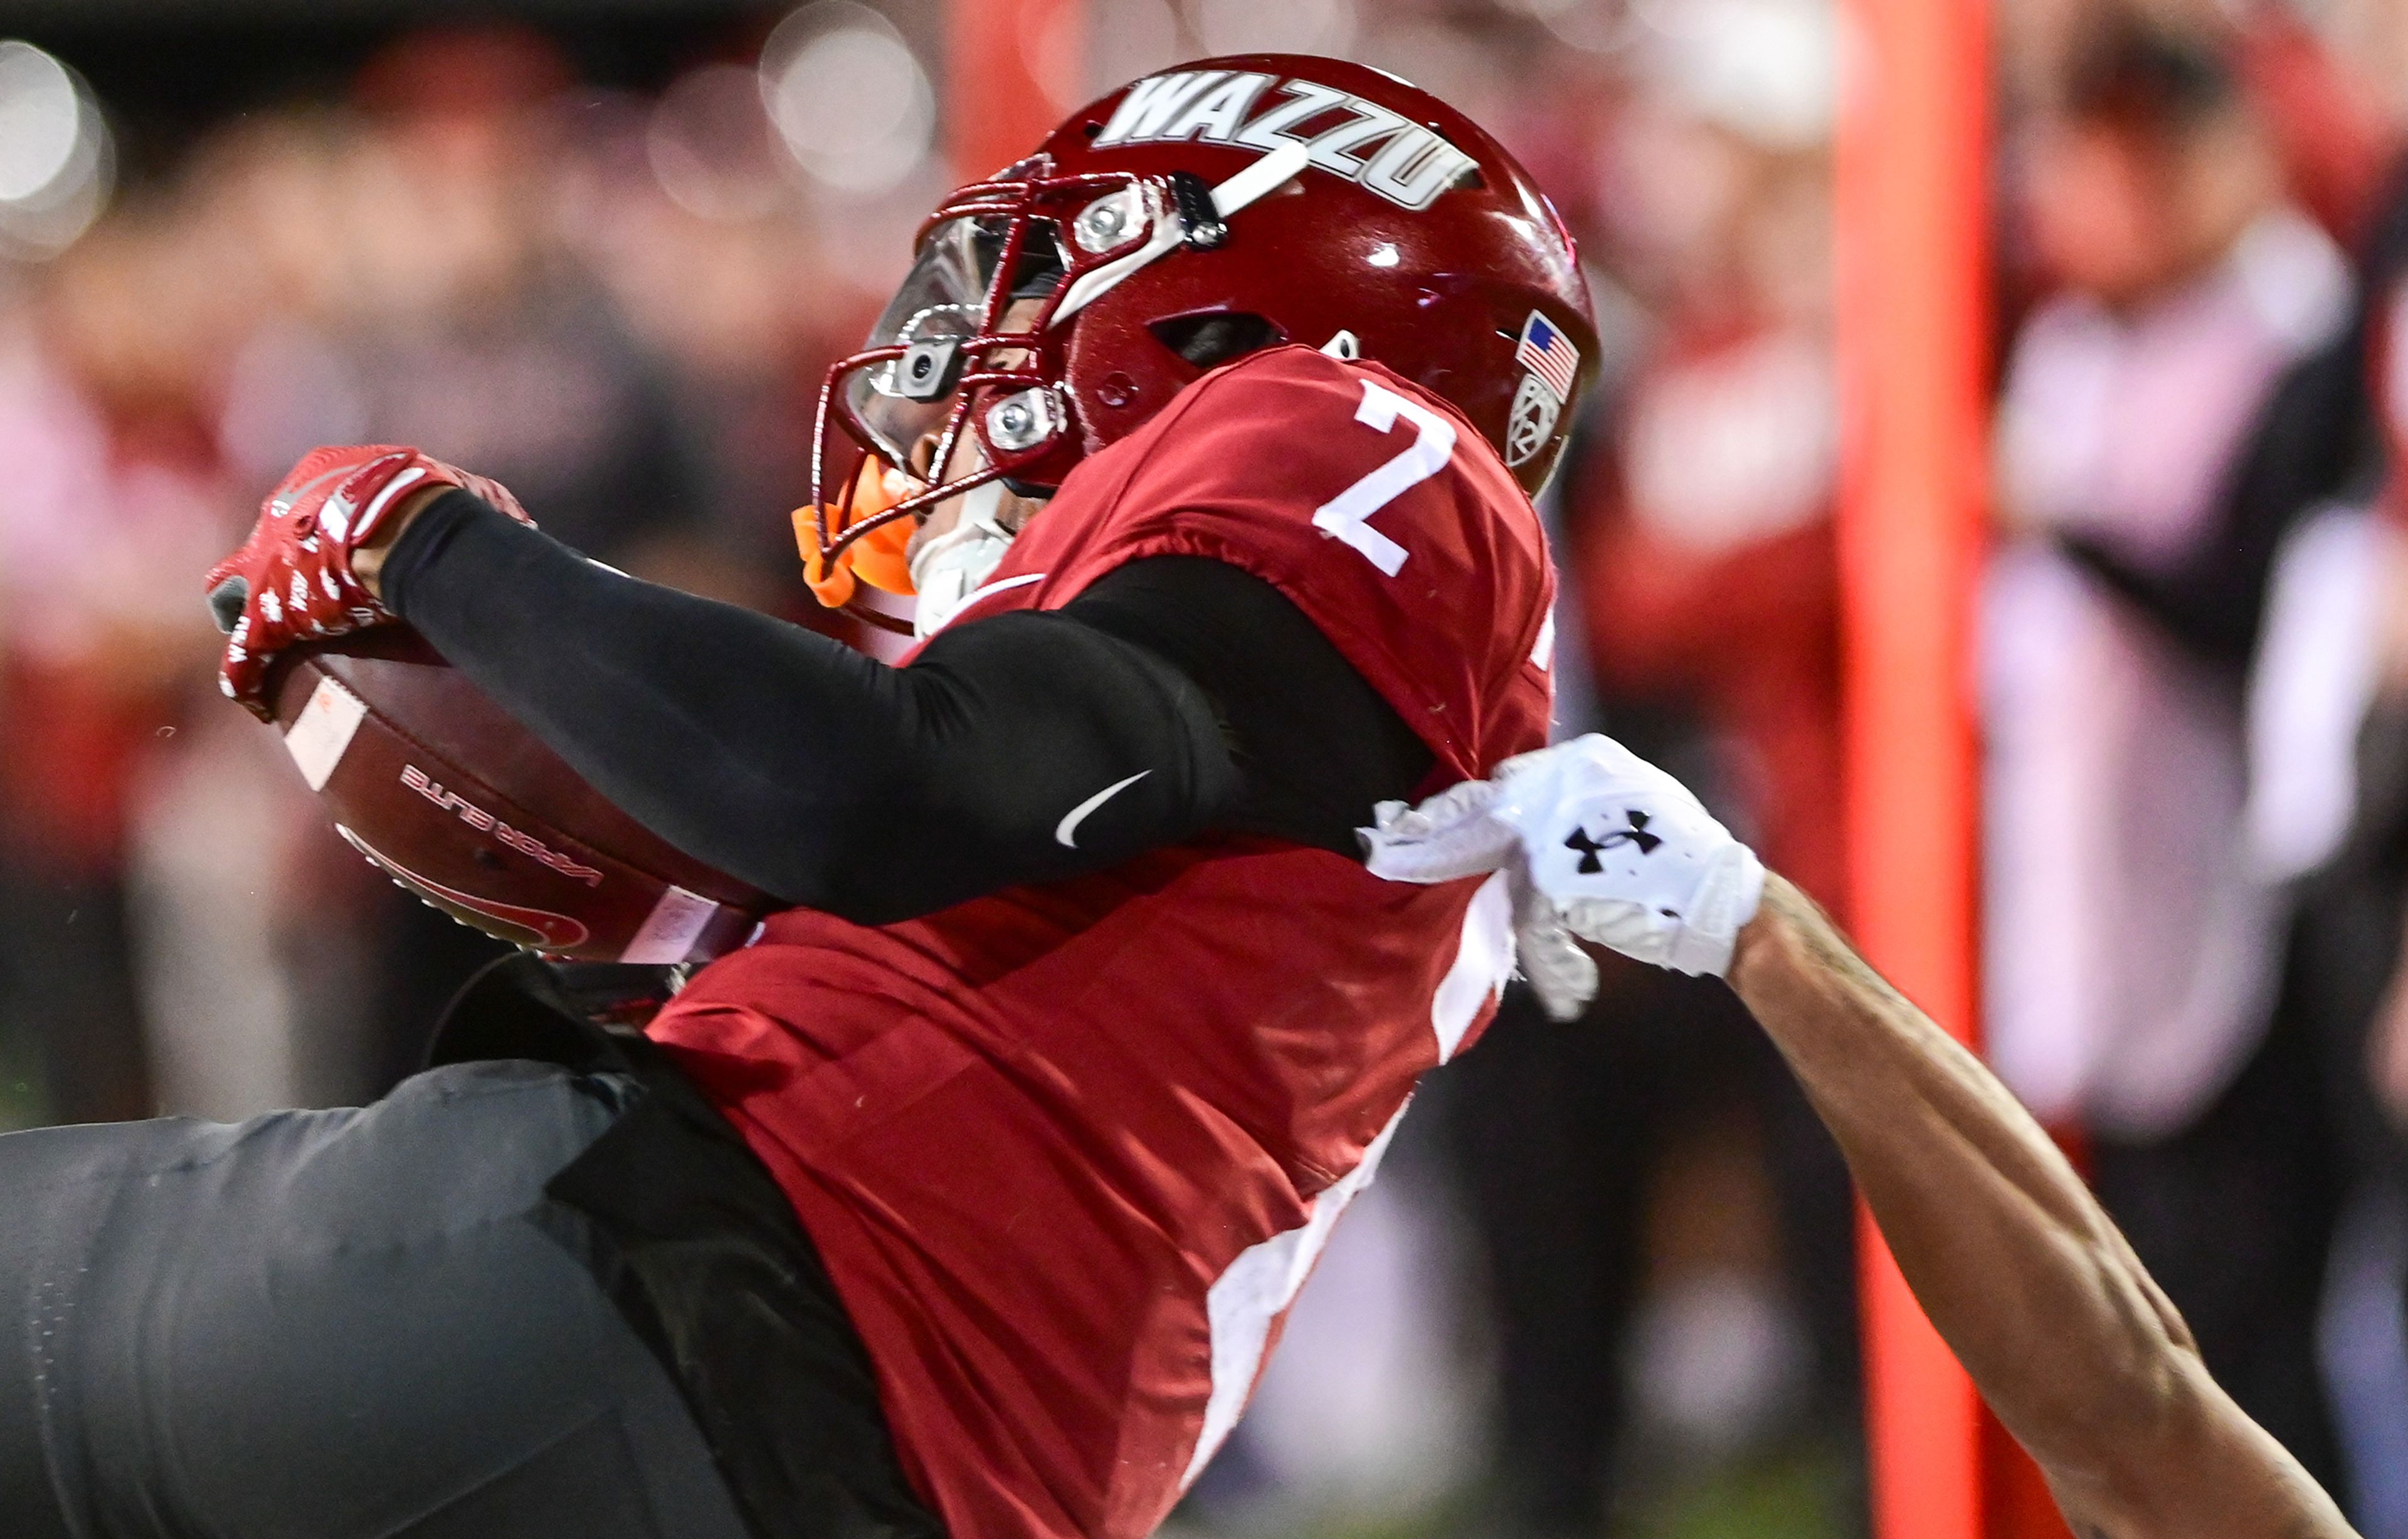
(1605, 1284)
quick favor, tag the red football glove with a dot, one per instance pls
(291, 580)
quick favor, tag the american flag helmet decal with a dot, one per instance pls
(1549, 355)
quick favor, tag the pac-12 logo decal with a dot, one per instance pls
(1532, 425)
(1553, 364)
(1400, 159)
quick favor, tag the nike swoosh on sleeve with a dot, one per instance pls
(1065, 832)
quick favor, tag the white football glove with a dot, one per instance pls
(1595, 843)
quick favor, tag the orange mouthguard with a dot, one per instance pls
(878, 557)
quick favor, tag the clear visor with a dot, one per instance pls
(943, 299)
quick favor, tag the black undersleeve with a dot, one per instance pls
(1316, 746)
(837, 782)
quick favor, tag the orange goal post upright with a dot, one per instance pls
(1911, 219)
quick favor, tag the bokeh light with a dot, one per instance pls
(709, 147)
(1764, 67)
(848, 96)
(38, 121)
(1597, 26)
(56, 159)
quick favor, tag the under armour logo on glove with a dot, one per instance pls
(1533, 819)
(1591, 848)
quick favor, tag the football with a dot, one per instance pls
(432, 781)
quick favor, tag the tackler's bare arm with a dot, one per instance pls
(2028, 1281)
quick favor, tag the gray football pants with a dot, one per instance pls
(358, 1324)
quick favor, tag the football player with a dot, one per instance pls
(968, 1197)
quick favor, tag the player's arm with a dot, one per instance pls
(2017, 1265)
(2023, 1274)
(836, 781)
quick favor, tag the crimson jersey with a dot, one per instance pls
(1070, 1151)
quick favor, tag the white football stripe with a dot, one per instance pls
(322, 733)
(669, 930)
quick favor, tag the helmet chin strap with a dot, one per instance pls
(948, 569)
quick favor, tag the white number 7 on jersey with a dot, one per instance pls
(1348, 515)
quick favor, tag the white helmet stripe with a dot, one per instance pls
(1258, 180)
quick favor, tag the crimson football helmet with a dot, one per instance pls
(1184, 220)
